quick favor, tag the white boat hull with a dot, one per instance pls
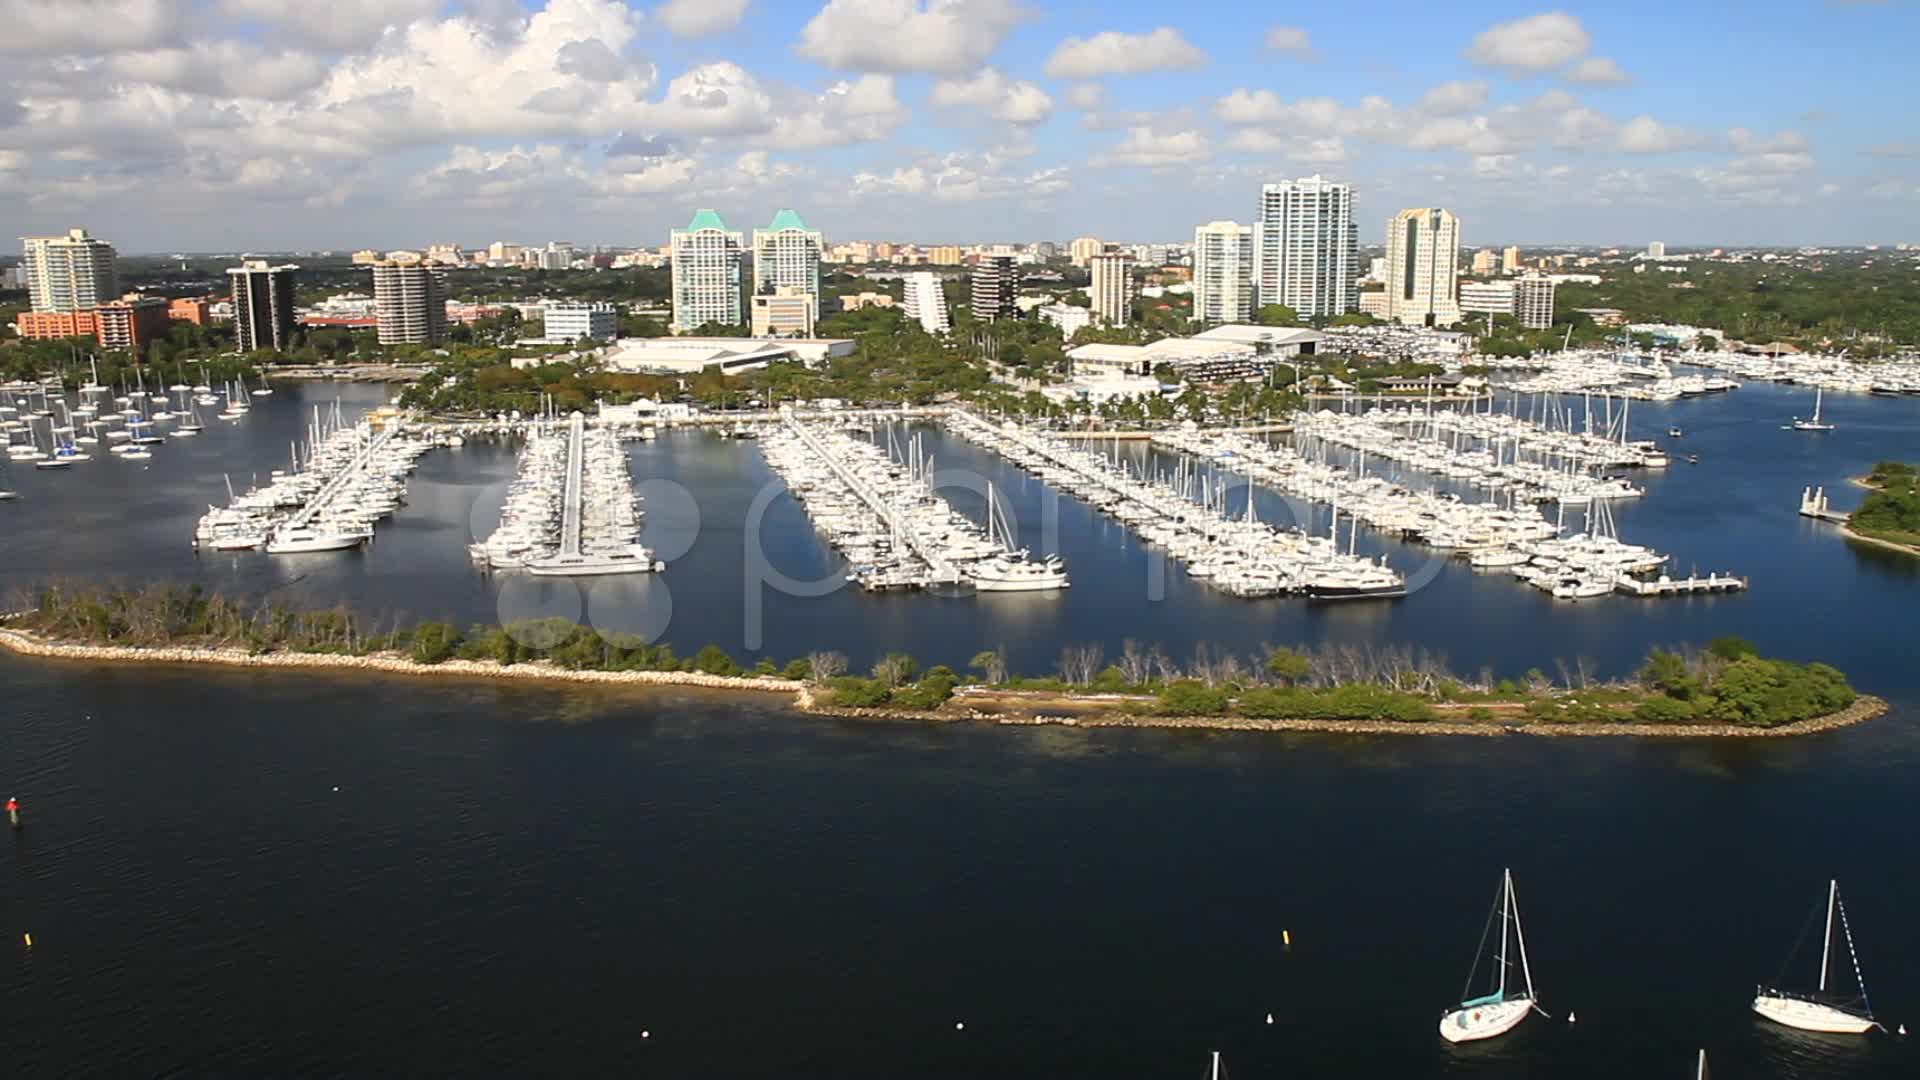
(304, 545)
(1484, 1021)
(1809, 1015)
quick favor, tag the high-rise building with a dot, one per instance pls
(1306, 251)
(1485, 261)
(1377, 268)
(926, 300)
(1510, 261)
(501, 253)
(75, 272)
(572, 321)
(1533, 301)
(786, 255)
(706, 273)
(1656, 249)
(782, 311)
(944, 255)
(996, 287)
(1083, 249)
(262, 305)
(1423, 267)
(1223, 272)
(1486, 297)
(410, 302)
(1112, 288)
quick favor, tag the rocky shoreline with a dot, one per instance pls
(1866, 707)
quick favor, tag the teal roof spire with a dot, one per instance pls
(786, 219)
(706, 219)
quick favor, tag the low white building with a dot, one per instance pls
(1487, 297)
(569, 322)
(1266, 340)
(1065, 316)
(690, 355)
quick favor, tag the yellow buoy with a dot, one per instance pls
(29, 940)
(1286, 937)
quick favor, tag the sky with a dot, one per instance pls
(219, 125)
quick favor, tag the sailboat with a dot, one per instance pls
(1497, 1012)
(1815, 423)
(264, 390)
(1014, 571)
(1821, 1010)
(1700, 1070)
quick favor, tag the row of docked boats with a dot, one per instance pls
(572, 510)
(877, 506)
(129, 424)
(343, 480)
(1898, 377)
(1187, 515)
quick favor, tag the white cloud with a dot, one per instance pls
(1776, 162)
(1292, 40)
(698, 18)
(861, 110)
(237, 69)
(1454, 97)
(1305, 149)
(1086, 96)
(1014, 101)
(945, 37)
(962, 177)
(1645, 135)
(1534, 44)
(1893, 150)
(334, 24)
(1598, 71)
(1151, 148)
(87, 27)
(1115, 53)
(1744, 141)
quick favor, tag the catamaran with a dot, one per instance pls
(1497, 1012)
(1814, 424)
(1822, 1010)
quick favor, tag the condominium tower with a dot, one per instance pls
(410, 302)
(786, 255)
(1306, 250)
(75, 272)
(926, 301)
(262, 305)
(996, 285)
(1112, 288)
(706, 273)
(1223, 272)
(1533, 301)
(1423, 267)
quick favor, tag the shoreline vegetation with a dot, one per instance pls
(1889, 516)
(1725, 689)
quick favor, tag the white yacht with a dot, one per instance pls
(1822, 1010)
(1499, 1011)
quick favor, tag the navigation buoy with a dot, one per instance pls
(1286, 937)
(28, 938)
(960, 1026)
(13, 812)
(336, 787)
(1269, 1018)
(1903, 1029)
(646, 1034)
(1570, 1017)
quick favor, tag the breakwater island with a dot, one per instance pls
(1723, 690)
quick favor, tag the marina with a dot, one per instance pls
(572, 511)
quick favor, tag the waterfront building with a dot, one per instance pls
(1423, 267)
(1112, 288)
(925, 300)
(1306, 249)
(996, 287)
(75, 272)
(262, 305)
(1223, 272)
(131, 322)
(786, 255)
(782, 311)
(1533, 301)
(50, 325)
(1486, 297)
(570, 322)
(706, 273)
(1068, 317)
(410, 302)
(1083, 249)
(1510, 261)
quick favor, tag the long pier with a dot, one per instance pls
(570, 502)
(941, 570)
(325, 496)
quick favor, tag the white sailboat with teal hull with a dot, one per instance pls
(1500, 1010)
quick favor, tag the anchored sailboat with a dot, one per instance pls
(1822, 1010)
(1497, 1012)
(1814, 424)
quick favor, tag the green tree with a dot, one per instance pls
(1276, 315)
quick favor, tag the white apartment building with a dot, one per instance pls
(75, 272)
(573, 321)
(410, 302)
(1112, 288)
(1510, 261)
(1223, 273)
(926, 301)
(1486, 297)
(1084, 248)
(1306, 251)
(555, 256)
(1423, 267)
(1533, 301)
(1656, 250)
(1067, 317)
(706, 273)
(787, 254)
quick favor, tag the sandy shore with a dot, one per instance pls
(956, 712)
(1890, 545)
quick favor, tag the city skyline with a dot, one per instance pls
(238, 125)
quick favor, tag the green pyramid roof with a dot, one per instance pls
(786, 219)
(706, 219)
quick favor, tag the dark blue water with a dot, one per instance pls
(520, 880)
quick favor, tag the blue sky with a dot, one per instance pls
(208, 124)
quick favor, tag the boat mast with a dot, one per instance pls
(1506, 908)
(1215, 1075)
(1700, 1071)
(1826, 943)
(1520, 936)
